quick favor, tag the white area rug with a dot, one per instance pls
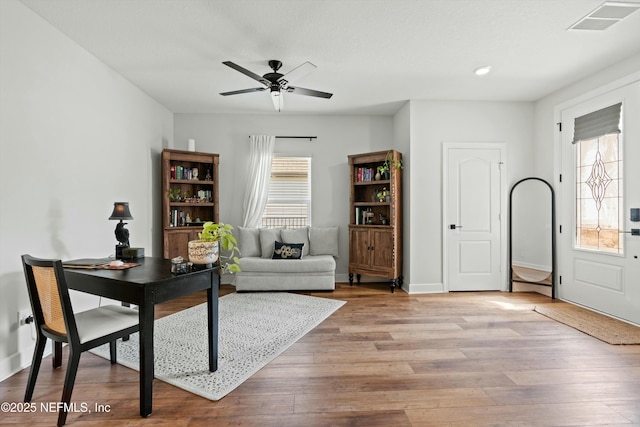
(254, 328)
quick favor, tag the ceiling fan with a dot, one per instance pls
(278, 83)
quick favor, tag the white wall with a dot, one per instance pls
(435, 122)
(338, 136)
(402, 143)
(74, 138)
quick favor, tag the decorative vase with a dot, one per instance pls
(202, 252)
(377, 176)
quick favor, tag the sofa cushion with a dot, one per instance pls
(287, 250)
(268, 237)
(310, 264)
(323, 241)
(297, 235)
(269, 282)
(249, 241)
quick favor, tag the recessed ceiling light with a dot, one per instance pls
(481, 71)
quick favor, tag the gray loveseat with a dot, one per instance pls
(313, 270)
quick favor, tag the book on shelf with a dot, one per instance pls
(183, 173)
(364, 174)
(177, 218)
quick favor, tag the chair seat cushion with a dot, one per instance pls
(101, 321)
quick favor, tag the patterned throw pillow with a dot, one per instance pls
(287, 250)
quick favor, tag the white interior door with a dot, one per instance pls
(473, 235)
(600, 277)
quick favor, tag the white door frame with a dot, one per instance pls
(446, 146)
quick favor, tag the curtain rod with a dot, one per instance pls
(296, 137)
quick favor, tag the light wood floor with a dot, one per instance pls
(385, 359)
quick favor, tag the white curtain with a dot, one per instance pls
(255, 197)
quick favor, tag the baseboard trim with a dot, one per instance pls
(342, 278)
(15, 363)
(410, 288)
(423, 288)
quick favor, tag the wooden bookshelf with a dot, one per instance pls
(189, 197)
(375, 225)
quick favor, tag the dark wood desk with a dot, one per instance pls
(145, 286)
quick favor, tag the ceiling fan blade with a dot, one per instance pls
(309, 92)
(246, 72)
(297, 73)
(237, 92)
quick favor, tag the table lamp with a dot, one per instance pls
(121, 212)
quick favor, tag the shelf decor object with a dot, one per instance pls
(121, 212)
(189, 198)
(375, 225)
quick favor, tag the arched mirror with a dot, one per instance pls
(532, 241)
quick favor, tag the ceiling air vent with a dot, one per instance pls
(605, 15)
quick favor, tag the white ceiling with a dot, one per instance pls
(372, 54)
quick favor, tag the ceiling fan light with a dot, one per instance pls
(276, 99)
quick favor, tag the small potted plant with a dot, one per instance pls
(174, 194)
(390, 162)
(383, 195)
(383, 170)
(206, 250)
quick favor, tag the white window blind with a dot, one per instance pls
(289, 201)
(598, 123)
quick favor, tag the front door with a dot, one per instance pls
(598, 257)
(473, 189)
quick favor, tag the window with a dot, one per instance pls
(289, 200)
(599, 196)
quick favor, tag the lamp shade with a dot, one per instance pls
(276, 97)
(121, 211)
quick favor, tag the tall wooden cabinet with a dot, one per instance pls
(189, 197)
(375, 225)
